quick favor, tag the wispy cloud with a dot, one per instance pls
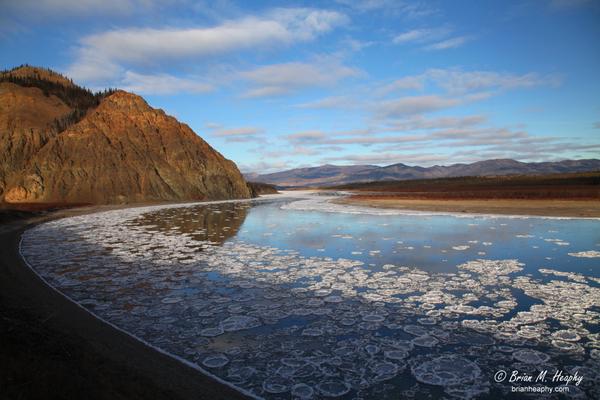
(448, 43)
(387, 158)
(455, 80)
(286, 78)
(420, 35)
(345, 102)
(432, 38)
(162, 84)
(410, 9)
(265, 167)
(415, 105)
(476, 84)
(237, 134)
(308, 137)
(421, 123)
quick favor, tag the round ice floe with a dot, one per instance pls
(395, 354)
(529, 356)
(239, 322)
(333, 388)
(211, 332)
(425, 341)
(238, 375)
(446, 370)
(566, 346)
(344, 351)
(171, 300)
(385, 368)
(371, 349)
(333, 299)
(566, 335)
(276, 384)
(415, 330)
(312, 332)
(215, 361)
(302, 391)
(322, 292)
(373, 318)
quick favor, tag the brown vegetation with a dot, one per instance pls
(576, 186)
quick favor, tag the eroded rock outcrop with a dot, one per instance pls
(120, 151)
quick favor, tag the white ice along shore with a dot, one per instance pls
(324, 202)
(276, 324)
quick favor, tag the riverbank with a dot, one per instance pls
(549, 208)
(54, 349)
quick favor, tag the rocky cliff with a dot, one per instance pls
(121, 150)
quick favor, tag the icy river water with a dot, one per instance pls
(295, 297)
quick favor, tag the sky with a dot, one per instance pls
(275, 85)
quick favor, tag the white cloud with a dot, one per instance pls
(281, 79)
(243, 134)
(407, 8)
(406, 83)
(473, 85)
(306, 137)
(420, 122)
(387, 158)
(431, 38)
(415, 105)
(147, 46)
(450, 43)
(458, 81)
(330, 102)
(265, 167)
(162, 84)
(420, 35)
(241, 131)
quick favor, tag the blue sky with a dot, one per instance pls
(275, 85)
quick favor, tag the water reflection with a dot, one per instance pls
(212, 223)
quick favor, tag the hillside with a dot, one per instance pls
(331, 175)
(61, 143)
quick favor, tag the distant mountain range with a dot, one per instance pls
(331, 175)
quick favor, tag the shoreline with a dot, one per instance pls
(54, 348)
(508, 207)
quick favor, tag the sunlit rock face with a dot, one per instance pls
(26, 125)
(60, 143)
(280, 304)
(126, 151)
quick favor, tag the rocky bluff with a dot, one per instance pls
(60, 143)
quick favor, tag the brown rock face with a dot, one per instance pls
(121, 151)
(26, 125)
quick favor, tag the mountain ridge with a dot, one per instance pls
(332, 175)
(100, 148)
